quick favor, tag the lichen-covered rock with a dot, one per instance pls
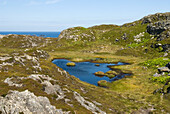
(48, 87)
(53, 89)
(26, 102)
(137, 38)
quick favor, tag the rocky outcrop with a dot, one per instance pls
(158, 27)
(48, 87)
(26, 102)
(78, 34)
(161, 47)
(23, 60)
(163, 36)
(138, 37)
(156, 17)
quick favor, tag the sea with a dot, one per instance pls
(42, 34)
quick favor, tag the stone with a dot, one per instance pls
(156, 75)
(166, 54)
(163, 69)
(53, 89)
(16, 102)
(88, 105)
(124, 37)
(12, 83)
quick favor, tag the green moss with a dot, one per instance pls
(158, 62)
(161, 79)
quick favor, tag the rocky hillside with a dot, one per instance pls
(149, 36)
(31, 83)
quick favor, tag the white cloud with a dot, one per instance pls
(52, 1)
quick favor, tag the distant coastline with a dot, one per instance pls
(42, 34)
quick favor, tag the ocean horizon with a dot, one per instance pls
(42, 34)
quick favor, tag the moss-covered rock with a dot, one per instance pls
(71, 64)
(99, 73)
(97, 64)
(102, 83)
(111, 72)
(110, 75)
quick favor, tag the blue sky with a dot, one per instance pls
(56, 15)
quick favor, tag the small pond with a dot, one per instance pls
(85, 70)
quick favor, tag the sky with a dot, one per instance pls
(57, 15)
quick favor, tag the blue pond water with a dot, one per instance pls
(85, 70)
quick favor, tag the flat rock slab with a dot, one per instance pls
(163, 69)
